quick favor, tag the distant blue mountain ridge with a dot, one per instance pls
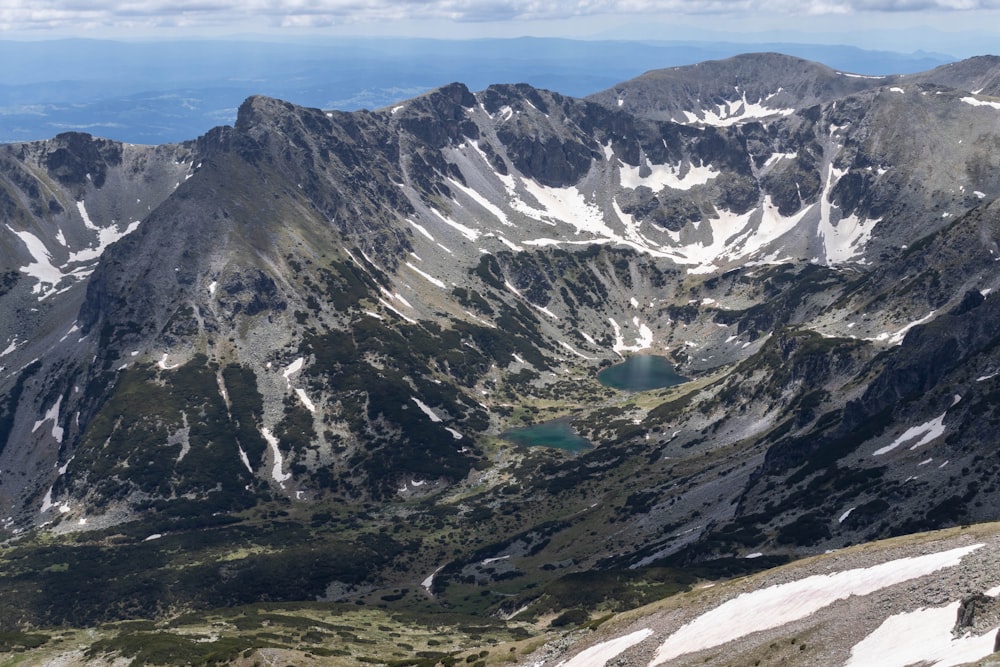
(165, 92)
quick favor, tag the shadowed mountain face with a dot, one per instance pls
(310, 330)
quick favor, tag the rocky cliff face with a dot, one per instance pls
(333, 314)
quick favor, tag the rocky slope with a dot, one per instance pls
(314, 326)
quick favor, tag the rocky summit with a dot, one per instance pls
(271, 373)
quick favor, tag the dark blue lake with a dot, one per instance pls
(558, 433)
(641, 372)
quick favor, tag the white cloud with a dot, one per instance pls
(16, 15)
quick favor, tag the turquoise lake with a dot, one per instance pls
(558, 433)
(641, 372)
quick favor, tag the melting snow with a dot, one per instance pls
(777, 605)
(455, 434)
(425, 409)
(47, 501)
(600, 654)
(736, 111)
(420, 229)
(53, 414)
(843, 517)
(245, 459)
(644, 340)
(921, 637)
(10, 348)
(931, 430)
(276, 472)
(154, 536)
(666, 176)
(291, 369)
(482, 201)
(429, 581)
(426, 276)
(310, 406)
(980, 103)
(897, 337)
(467, 232)
(212, 287)
(162, 363)
(896, 89)
(847, 237)
(570, 348)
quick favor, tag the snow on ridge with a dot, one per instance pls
(733, 112)
(859, 76)
(780, 604)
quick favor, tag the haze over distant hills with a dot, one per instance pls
(164, 92)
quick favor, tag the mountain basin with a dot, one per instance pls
(641, 372)
(557, 433)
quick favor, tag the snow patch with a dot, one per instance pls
(276, 472)
(426, 409)
(778, 605)
(600, 654)
(245, 459)
(897, 337)
(931, 430)
(677, 177)
(301, 393)
(980, 103)
(292, 369)
(162, 363)
(426, 276)
(734, 112)
(921, 637)
(53, 414)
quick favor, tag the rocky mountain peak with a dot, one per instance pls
(326, 323)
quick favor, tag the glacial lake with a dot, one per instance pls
(558, 433)
(641, 372)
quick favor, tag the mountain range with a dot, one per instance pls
(278, 365)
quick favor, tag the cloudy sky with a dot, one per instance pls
(961, 27)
